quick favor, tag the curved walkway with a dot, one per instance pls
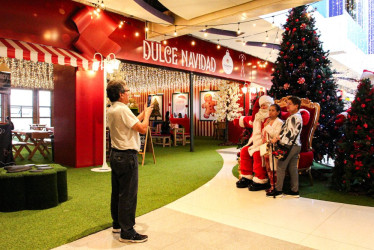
(220, 216)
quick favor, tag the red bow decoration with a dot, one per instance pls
(95, 32)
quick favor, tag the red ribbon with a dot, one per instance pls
(95, 32)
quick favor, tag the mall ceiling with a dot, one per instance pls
(256, 20)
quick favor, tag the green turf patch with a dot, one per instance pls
(177, 173)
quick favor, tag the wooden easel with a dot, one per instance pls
(146, 145)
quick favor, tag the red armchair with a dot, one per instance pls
(310, 112)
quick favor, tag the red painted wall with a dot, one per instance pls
(89, 101)
(78, 115)
(64, 115)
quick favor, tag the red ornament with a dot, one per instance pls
(363, 105)
(323, 81)
(358, 99)
(323, 100)
(314, 32)
(345, 161)
(323, 116)
(317, 60)
(291, 64)
(282, 52)
(288, 43)
(301, 80)
(303, 39)
(323, 57)
(352, 156)
(288, 29)
(320, 92)
(332, 111)
(365, 125)
(294, 29)
(319, 76)
(286, 86)
(299, 57)
(296, 20)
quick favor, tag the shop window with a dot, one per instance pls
(21, 108)
(45, 107)
(351, 8)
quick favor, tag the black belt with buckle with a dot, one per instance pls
(125, 151)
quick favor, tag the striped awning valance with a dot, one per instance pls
(42, 53)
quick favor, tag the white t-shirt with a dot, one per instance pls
(120, 123)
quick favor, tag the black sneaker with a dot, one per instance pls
(275, 193)
(292, 193)
(257, 186)
(136, 238)
(243, 183)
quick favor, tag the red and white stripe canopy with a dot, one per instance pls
(41, 53)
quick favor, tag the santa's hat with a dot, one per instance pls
(266, 99)
(368, 74)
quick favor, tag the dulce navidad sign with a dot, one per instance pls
(156, 52)
(202, 57)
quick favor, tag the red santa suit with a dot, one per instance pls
(250, 159)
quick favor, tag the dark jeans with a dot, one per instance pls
(124, 166)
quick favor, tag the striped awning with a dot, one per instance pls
(42, 53)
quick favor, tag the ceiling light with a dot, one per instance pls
(175, 30)
(238, 29)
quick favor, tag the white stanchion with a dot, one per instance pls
(104, 167)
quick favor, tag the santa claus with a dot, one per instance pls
(250, 159)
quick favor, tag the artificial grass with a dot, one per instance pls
(177, 173)
(321, 189)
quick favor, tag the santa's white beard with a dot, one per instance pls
(262, 114)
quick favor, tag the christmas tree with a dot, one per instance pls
(303, 69)
(156, 109)
(354, 163)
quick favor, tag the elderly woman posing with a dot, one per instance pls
(270, 132)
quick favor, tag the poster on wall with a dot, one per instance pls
(180, 104)
(156, 100)
(208, 103)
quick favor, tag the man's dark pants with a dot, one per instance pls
(124, 166)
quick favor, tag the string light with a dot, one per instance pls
(146, 26)
(193, 43)
(175, 30)
(136, 34)
(267, 36)
(238, 29)
(205, 32)
(165, 41)
(218, 45)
